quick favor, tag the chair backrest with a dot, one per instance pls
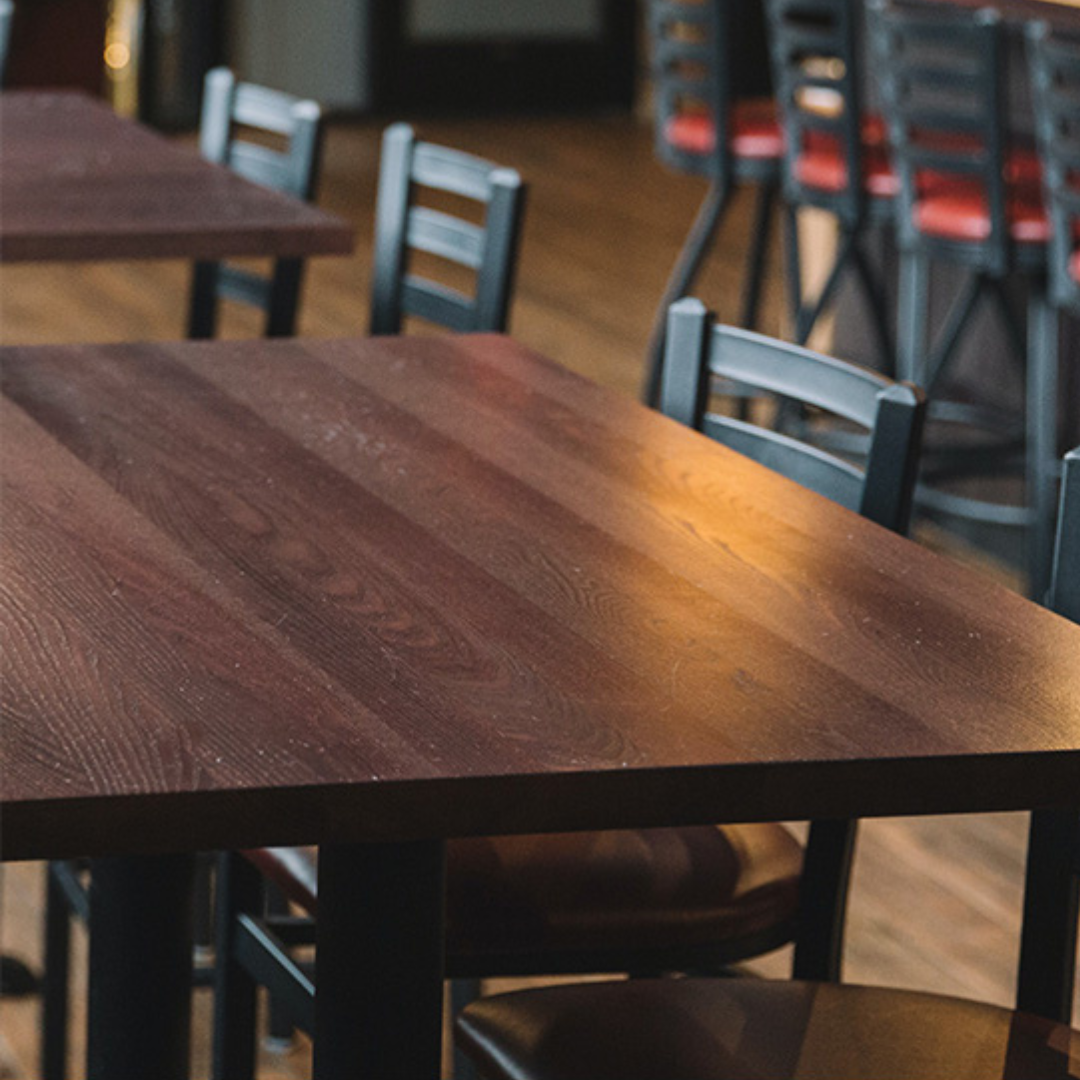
(943, 87)
(816, 51)
(1054, 62)
(402, 227)
(699, 350)
(229, 107)
(689, 46)
(1052, 889)
(7, 10)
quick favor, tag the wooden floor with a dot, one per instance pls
(935, 901)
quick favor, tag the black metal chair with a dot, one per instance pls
(622, 901)
(703, 129)
(835, 157)
(404, 227)
(711, 1029)
(1052, 892)
(229, 106)
(969, 197)
(1054, 62)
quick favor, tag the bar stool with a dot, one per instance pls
(702, 129)
(835, 156)
(1054, 63)
(970, 198)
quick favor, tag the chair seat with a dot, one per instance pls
(821, 167)
(958, 210)
(755, 131)
(734, 1029)
(1074, 266)
(598, 891)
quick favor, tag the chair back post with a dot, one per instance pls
(942, 81)
(495, 278)
(391, 222)
(1047, 971)
(815, 47)
(7, 11)
(691, 71)
(1054, 63)
(215, 123)
(685, 388)
(893, 463)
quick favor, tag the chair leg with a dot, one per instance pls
(759, 250)
(54, 982)
(792, 263)
(280, 1025)
(809, 314)
(876, 303)
(463, 992)
(823, 891)
(682, 278)
(1041, 448)
(239, 890)
(912, 317)
(284, 298)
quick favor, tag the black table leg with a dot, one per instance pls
(379, 961)
(139, 1022)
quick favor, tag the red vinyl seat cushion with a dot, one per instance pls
(755, 131)
(957, 210)
(822, 167)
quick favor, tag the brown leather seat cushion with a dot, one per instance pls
(631, 888)
(747, 1029)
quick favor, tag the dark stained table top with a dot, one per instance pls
(267, 592)
(79, 182)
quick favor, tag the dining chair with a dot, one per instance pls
(835, 155)
(703, 128)
(637, 901)
(1054, 66)
(229, 108)
(405, 227)
(729, 1029)
(1052, 891)
(969, 198)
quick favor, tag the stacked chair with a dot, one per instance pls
(835, 157)
(969, 197)
(229, 107)
(703, 129)
(622, 901)
(1054, 61)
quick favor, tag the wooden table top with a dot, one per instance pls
(79, 182)
(272, 592)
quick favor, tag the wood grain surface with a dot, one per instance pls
(78, 182)
(260, 593)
